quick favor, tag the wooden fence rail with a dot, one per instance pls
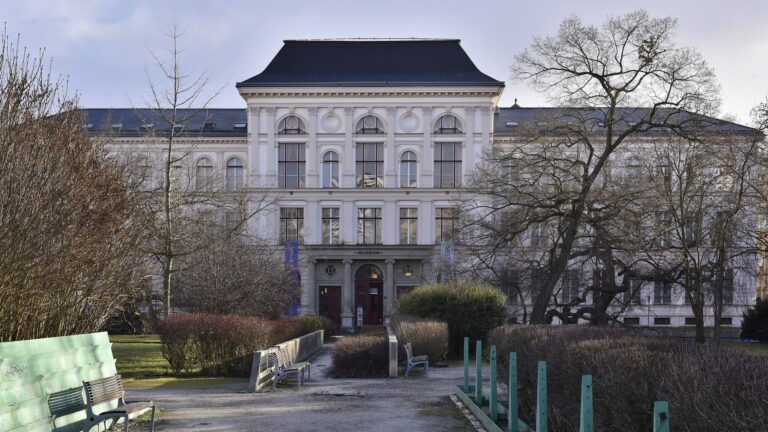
(489, 411)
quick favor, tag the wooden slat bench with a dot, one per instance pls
(109, 389)
(64, 403)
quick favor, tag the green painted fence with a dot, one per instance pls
(32, 370)
(489, 411)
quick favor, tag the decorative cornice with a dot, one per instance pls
(182, 141)
(369, 93)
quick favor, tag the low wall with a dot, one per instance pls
(298, 349)
(31, 370)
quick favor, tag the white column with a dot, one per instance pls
(389, 288)
(347, 297)
(271, 176)
(469, 141)
(348, 223)
(348, 162)
(426, 222)
(312, 223)
(308, 305)
(390, 233)
(312, 149)
(427, 152)
(253, 146)
(390, 155)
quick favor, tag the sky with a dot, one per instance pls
(102, 46)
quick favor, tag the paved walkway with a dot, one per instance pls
(323, 404)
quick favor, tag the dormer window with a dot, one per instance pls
(448, 124)
(370, 124)
(291, 125)
(117, 125)
(239, 126)
(209, 126)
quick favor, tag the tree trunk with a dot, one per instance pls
(697, 307)
(558, 265)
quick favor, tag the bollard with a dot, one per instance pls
(661, 416)
(541, 398)
(466, 365)
(479, 373)
(512, 394)
(493, 409)
(586, 423)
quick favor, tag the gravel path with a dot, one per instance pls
(323, 404)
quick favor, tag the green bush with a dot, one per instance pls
(708, 388)
(426, 338)
(470, 309)
(361, 356)
(755, 323)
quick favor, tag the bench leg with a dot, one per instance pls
(125, 426)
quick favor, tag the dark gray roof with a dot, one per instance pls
(129, 122)
(411, 62)
(512, 121)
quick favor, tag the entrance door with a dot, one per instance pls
(369, 294)
(330, 304)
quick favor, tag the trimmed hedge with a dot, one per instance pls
(755, 322)
(708, 388)
(468, 308)
(426, 337)
(223, 345)
(361, 356)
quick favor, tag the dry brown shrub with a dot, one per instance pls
(361, 356)
(426, 338)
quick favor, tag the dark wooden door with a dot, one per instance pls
(369, 296)
(330, 303)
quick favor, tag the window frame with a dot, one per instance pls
(330, 170)
(289, 231)
(440, 222)
(409, 233)
(207, 178)
(441, 161)
(363, 129)
(299, 165)
(235, 174)
(283, 129)
(442, 128)
(330, 231)
(411, 177)
(362, 163)
(369, 216)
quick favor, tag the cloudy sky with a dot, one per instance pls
(102, 45)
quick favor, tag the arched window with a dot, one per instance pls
(370, 124)
(203, 174)
(291, 125)
(331, 170)
(234, 174)
(408, 170)
(448, 124)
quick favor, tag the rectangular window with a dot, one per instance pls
(511, 284)
(662, 293)
(409, 220)
(331, 226)
(369, 166)
(447, 172)
(570, 286)
(693, 228)
(632, 295)
(291, 165)
(728, 287)
(446, 225)
(369, 226)
(663, 229)
(661, 321)
(726, 321)
(631, 320)
(291, 225)
(690, 321)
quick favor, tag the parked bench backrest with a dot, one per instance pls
(408, 351)
(283, 361)
(104, 390)
(66, 402)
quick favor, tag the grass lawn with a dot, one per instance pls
(138, 356)
(760, 349)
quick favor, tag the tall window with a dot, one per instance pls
(664, 229)
(234, 174)
(446, 225)
(291, 225)
(447, 124)
(203, 174)
(447, 165)
(693, 228)
(291, 125)
(570, 286)
(409, 219)
(369, 166)
(728, 287)
(291, 165)
(370, 124)
(331, 226)
(144, 177)
(408, 170)
(369, 226)
(510, 282)
(662, 293)
(331, 170)
(632, 295)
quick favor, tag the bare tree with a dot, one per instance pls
(69, 226)
(631, 61)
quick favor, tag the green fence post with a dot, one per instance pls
(479, 373)
(587, 423)
(494, 410)
(466, 365)
(512, 394)
(661, 416)
(541, 398)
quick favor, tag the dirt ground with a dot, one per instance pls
(403, 404)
